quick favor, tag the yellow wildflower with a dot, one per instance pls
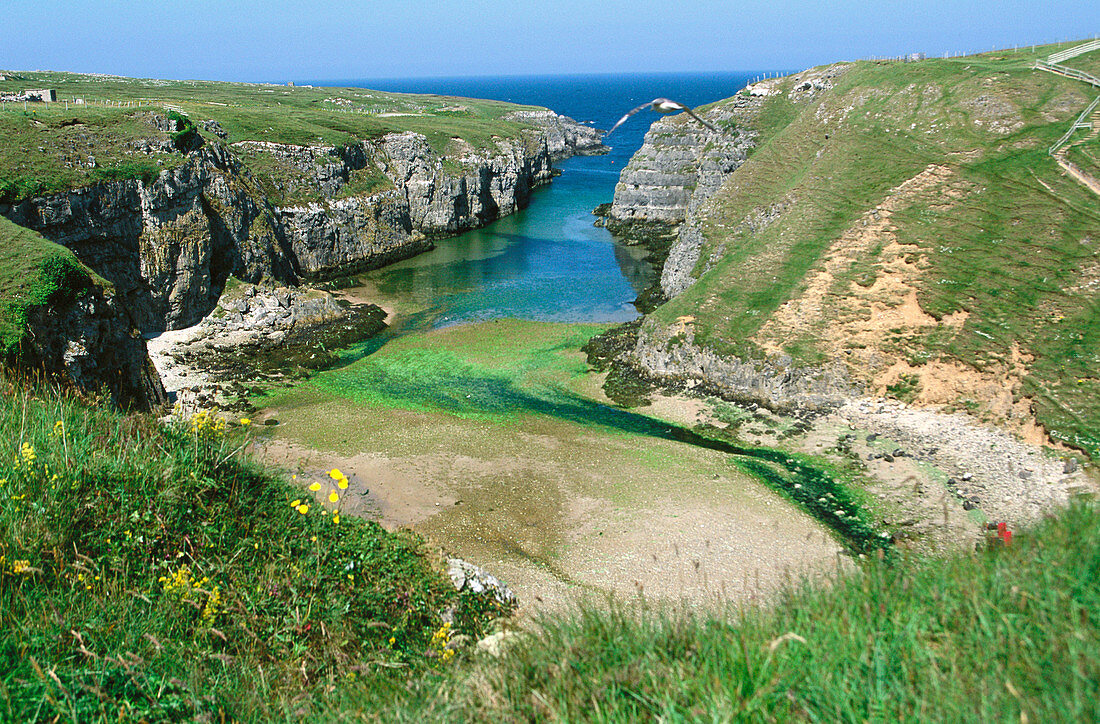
(303, 509)
(245, 422)
(315, 487)
(295, 503)
(335, 474)
(342, 483)
(332, 496)
(336, 518)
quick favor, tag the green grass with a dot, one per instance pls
(154, 573)
(1017, 252)
(34, 272)
(1007, 634)
(46, 148)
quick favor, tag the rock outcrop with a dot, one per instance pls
(89, 342)
(169, 244)
(565, 137)
(679, 166)
(257, 335)
(777, 382)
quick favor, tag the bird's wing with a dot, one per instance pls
(690, 113)
(670, 103)
(629, 114)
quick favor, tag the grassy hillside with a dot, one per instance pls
(1011, 633)
(153, 573)
(46, 148)
(923, 234)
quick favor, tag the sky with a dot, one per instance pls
(279, 40)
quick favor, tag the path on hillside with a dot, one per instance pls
(1089, 118)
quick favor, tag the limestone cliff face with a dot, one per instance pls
(89, 342)
(349, 235)
(776, 382)
(564, 136)
(681, 164)
(168, 246)
(481, 187)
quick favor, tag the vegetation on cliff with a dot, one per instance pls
(154, 573)
(907, 219)
(33, 272)
(58, 146)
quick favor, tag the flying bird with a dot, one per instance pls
(662, 105)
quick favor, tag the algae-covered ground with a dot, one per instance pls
(492, 440)
(921, 234)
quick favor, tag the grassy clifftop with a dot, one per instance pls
(49, 148)
(154, 573)
(33, 272)
(917, 229)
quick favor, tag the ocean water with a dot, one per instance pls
(547, 262)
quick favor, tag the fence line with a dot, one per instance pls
(1053, 65)
(1073, 52)
(1081, 122)
(1068, 72)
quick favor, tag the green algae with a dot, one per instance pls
(506, 373)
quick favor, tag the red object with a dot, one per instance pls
(1007, 537)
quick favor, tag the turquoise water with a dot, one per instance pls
(547, 262)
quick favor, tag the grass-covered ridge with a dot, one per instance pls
(50, 148)
(33, 272)
(153, 573)
(929, 179)
(1007, 634)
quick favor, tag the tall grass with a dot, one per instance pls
(1010, 633)
(151, 572)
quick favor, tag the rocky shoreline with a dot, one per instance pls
(168, 245)
(257, 336)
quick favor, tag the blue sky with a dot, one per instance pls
(279, 40)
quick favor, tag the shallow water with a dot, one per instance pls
(499, 425)
(546, 263)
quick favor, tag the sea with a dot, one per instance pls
(547, 262)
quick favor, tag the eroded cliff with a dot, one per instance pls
(281, 213)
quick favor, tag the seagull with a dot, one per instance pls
(662, 105)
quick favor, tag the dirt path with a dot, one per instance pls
(1080, 176)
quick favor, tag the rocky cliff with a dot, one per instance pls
(679, 166)
(881, 238)
(663, 193)
(565, 137)
(168, 244)
(90, 344)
